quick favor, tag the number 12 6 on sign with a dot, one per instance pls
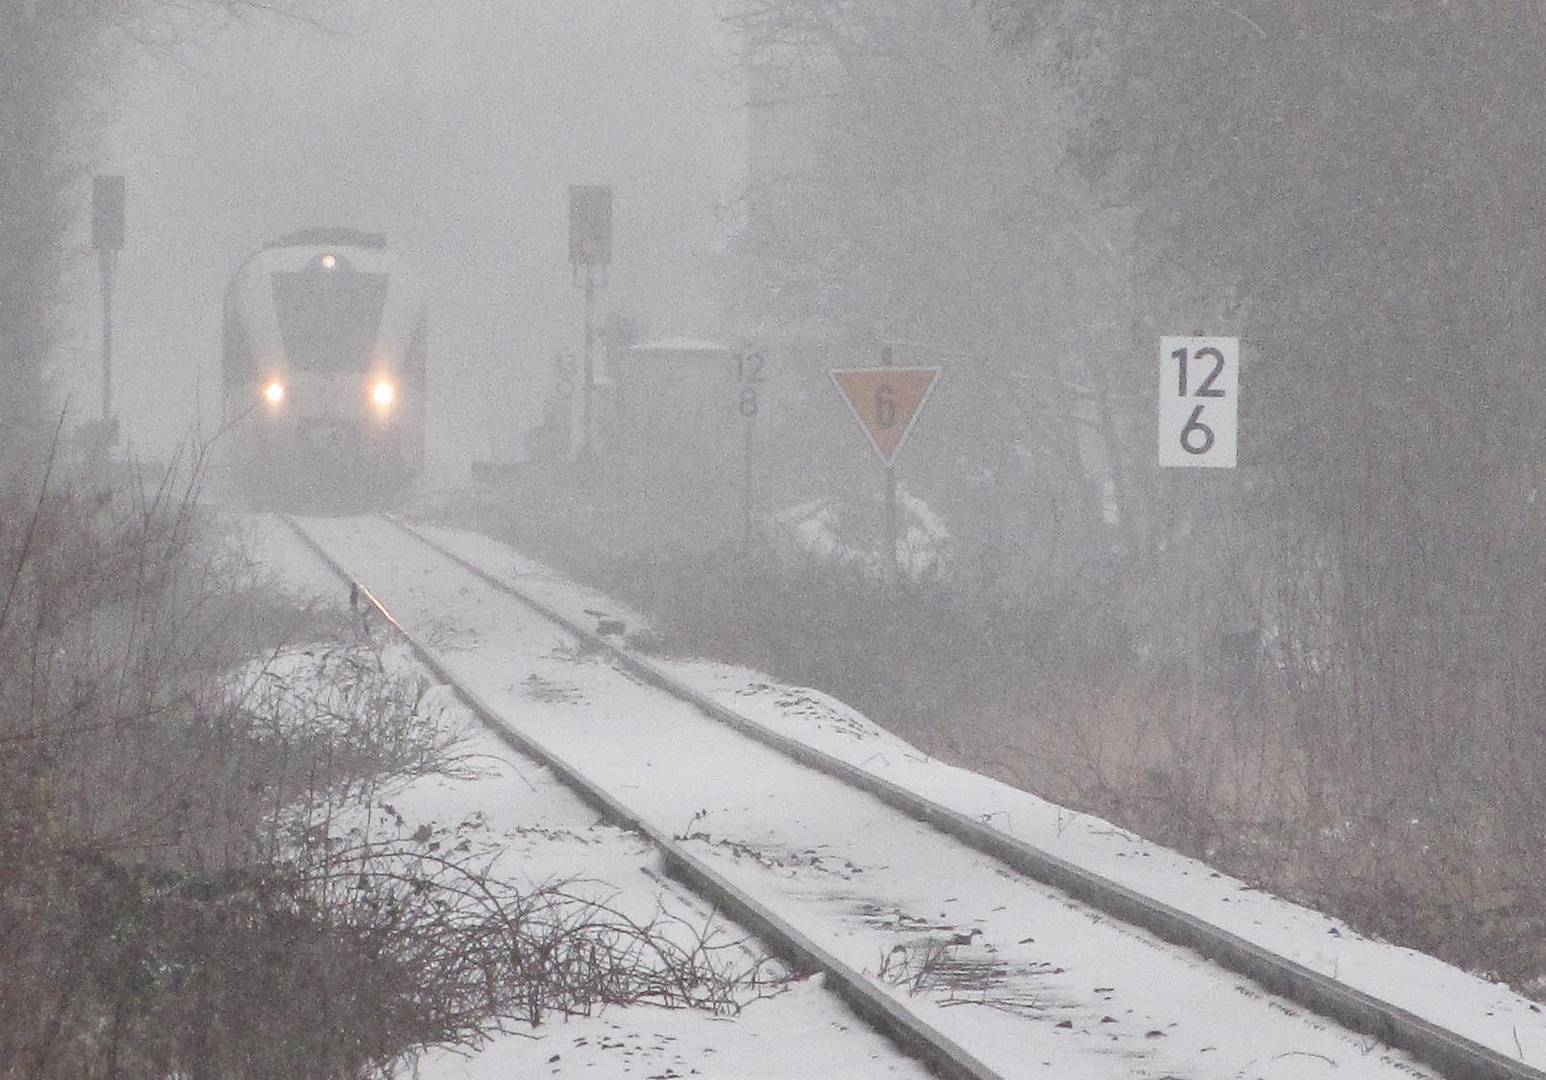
(1199, 390)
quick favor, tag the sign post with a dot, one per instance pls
(107, 228)
(749, 376)
(886, 402)
(894, 555)
(1199, 389)
(590, 246)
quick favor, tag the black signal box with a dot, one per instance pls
(590, 224)
(107, 213)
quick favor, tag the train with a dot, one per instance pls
(325, 348)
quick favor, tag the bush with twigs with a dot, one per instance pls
(183, 893)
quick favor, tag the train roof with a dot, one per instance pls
(342, 237)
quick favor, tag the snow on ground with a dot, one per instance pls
(1488, 1013)
(296, 569)
(1042, 982)
(662, 1044)
(538, 831)
(832, 530)
(517, 813)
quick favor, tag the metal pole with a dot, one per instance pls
(746, 489)
(590, 368)
(107, 237)
(894, 555)
(106, 259)
(891, 538)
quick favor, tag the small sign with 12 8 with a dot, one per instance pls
(1198, 398)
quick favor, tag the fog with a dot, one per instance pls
(1220, 513)
(455, 128)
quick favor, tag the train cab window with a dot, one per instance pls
(329, 318)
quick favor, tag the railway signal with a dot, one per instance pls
(1199, 385)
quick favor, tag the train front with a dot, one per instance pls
(324, 368)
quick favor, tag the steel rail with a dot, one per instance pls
(912, 1035)
(1455, 1056)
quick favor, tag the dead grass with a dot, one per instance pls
(1440, 868)
(1416, 816)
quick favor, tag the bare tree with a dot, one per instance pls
(58, 64)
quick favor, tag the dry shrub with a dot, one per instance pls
(177, 900)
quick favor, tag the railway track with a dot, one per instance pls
(1447, 1052)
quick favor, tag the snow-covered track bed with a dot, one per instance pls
(887, 892)
(916, 1038)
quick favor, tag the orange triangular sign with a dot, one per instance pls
(886, 402)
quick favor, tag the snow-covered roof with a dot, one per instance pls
(683, 346)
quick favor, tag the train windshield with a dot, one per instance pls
(329, 318)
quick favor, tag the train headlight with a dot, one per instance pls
(383, 394)
(329, 261)
(274, 392)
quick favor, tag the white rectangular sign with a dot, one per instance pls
(1199, 391)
